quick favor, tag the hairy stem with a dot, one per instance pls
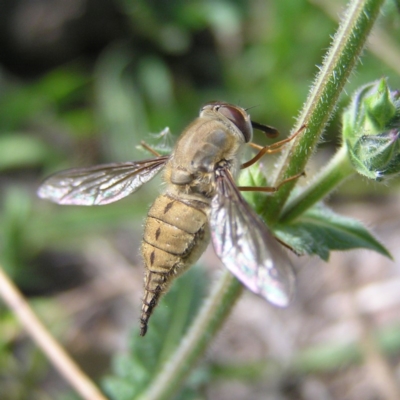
(342, 56)
(208, 321)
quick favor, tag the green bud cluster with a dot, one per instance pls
(371, 130)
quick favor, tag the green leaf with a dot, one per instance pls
(320, 230)
(254, 176)
(58, 89)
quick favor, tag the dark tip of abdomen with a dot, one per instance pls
(143, 327)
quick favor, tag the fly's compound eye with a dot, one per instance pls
(239, 117)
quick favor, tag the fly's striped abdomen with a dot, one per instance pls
(175, 235)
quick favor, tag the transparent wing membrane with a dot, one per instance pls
(102, 184)
(246, 247)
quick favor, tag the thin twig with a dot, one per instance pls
(56, 354)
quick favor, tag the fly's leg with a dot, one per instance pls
(165, 141)
(262, 150)
(270, 189)
(274, 148)
(149, 149)
(284, 244)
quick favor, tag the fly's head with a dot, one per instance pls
(235, 117)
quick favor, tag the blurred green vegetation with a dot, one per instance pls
(98, 103)
(133, 372)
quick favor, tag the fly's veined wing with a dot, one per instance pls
(246, 247)
(102, 184)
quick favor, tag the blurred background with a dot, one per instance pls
(82, 82)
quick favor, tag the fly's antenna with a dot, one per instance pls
(270, 131)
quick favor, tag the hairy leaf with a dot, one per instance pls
(320, 230)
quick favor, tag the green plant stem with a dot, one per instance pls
(342, 56)
(338, 169)
(209, 319)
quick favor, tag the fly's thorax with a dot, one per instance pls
(201, 186)
(176, 233)
(206, 142)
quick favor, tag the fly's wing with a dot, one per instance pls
(246, 247)
(102, 184)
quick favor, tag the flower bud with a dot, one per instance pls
(371, 130)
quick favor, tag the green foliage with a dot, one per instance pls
(254, 176)
(21, 151)
(319, 231)
(134, 371)
(14, 249)
(52, 94)
(19, 377)
(172, 57)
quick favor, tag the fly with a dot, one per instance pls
(200, 202)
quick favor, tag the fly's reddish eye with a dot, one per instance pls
(239, 117)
